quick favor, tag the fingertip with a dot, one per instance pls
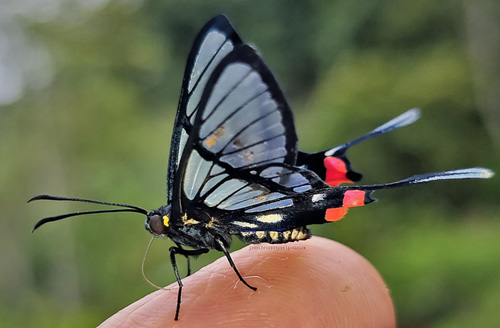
(317, 282)
(321, 282)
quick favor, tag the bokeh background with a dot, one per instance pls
(88, 95)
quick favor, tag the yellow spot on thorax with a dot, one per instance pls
(188, 221)
(191, 222)
(166, 220)
(210, 223)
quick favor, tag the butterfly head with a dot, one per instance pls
(158, 221)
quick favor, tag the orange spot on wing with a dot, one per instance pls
(212, 140)
(335, 171)
(335, 214)
(353, 198)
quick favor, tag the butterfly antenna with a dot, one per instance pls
(126, 208)
(407, 118)
(471, 173)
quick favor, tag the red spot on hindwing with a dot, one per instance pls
(335, 171)
(335, 214)
(352, 198)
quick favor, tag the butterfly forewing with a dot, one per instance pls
(212, 44)
(245, 120)
(214, 48)
(241, 149)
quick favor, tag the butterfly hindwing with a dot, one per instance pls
(334, 167)
(266, 202)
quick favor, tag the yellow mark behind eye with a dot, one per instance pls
(166, 220)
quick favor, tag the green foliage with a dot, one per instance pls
(102, 129)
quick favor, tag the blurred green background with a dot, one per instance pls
(88, 94)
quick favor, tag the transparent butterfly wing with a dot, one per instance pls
(273, 191)
(216, 39)
(242, 147)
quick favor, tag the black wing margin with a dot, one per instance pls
(216, 39)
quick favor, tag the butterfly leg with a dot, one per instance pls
(188, 257)
(179, 250)
(226, 252)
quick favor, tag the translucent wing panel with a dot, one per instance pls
(213, 43)
(206, 179)
(236, 194)
(244, 121)
(249, 196)
(212, 182)
(196, 173)
(236, 86)
(213, 49)
(288, 178)
(266, 151)
(242, 195)
(272, 188)
(225, 190)
(271, 206)
(182, 142)
(255, 132)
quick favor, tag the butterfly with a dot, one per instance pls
(234, 166)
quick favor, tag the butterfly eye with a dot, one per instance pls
(156, 225)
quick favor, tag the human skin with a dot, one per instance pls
(313, 283)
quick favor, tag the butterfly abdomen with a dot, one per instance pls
(275, 237)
